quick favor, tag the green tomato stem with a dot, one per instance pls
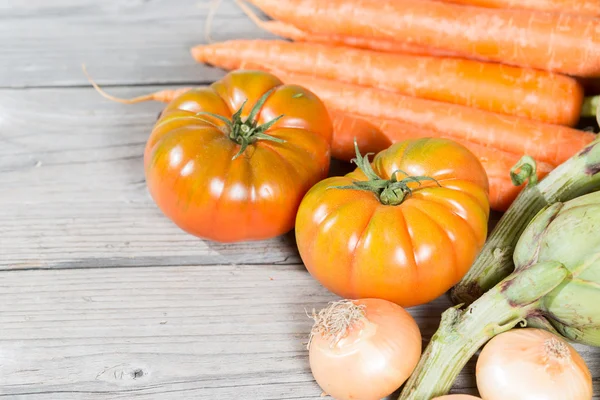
(246, 132)
(390, 192)
(463, 332)
(578, 175)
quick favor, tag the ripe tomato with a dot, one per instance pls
(382, 234)
(195, 178)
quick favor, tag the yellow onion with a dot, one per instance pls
(363, 349)
(532, 364)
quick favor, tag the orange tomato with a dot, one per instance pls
(401, 240)
(195, 178)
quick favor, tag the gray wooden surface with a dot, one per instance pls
(101, 297)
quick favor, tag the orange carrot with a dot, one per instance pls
(590, 8)
(545, 142)
(289, 31)
(529, 93)
(557, 42)
(496, 163)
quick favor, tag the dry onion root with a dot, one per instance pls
(529, 364)
(363, 349)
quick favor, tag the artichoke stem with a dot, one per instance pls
(463, 332)
(578, 175)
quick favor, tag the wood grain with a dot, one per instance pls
(205, 332)
(73, 192)
(44, 43)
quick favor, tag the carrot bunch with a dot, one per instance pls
(502, 77)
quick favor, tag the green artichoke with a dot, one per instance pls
(555, 285)
(570, 234)
(577, 176)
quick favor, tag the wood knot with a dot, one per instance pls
(124, 374)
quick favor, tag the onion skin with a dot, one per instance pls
(457, 397)
(532, 364)
(373, 359)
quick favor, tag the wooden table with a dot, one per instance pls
(101, 297)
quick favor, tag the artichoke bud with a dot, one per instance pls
(568, 233)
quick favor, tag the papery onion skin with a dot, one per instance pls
(375, 357)
(457, 397)
(532, 364)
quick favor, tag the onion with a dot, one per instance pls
(363, 349)
(457, 397)
(528, 364)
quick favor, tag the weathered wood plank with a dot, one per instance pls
(72, 188)
(123, 42)
(206, 332)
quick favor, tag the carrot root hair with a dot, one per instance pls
(212, 11)
(164, 96)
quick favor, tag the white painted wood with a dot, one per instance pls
(43, 43)
(206, 332)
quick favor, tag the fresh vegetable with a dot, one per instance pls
(555, 42)
(457, 397)
(375, 134)
(363, 349)
(531, 364)
(590, 8)
(544, 142)
(289, 31)
(403, 229)
(579, 175)
(231, 162)
(556, 283)
(538, 95)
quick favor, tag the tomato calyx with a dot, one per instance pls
(391, 191)
(245, 131)
(524, 170)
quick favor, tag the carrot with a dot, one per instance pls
(591, 8)
(557, 42)
(545, 142)
(289, 31)
(539, 95)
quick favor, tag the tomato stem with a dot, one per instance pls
(247, 131)
(389, 191)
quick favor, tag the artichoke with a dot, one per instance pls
(556, 285)
(570, 234)
(577, 176)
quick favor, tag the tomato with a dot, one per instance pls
(379, 233)
(229, 176)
